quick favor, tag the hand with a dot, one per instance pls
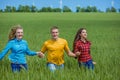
(40, 54)
(94, 62)
(77, 54)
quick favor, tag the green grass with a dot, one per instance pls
(103, 31)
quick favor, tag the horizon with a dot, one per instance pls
(100, 5)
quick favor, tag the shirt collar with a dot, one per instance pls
(17, 40)
(84, 42)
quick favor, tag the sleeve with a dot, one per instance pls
(44, 48)
(76, 47)
(5, 50)
(29, 52)
(66, 46)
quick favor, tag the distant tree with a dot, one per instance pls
(49, 9)
(33, 8)
(8, 9)
(88, 9)
(43, 9)
(56, 10)
(1, 10)
(113, 9)
(118, 10)
(78, 9)
(94, 9)
(13, 9)
(46, 9)
(66, 9)
(20, 8)
(83, 9)
(26, 8)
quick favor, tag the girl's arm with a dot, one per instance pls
(29, 52)
(5, 50)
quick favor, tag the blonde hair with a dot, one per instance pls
(13, 31)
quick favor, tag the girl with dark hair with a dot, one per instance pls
(82, 45)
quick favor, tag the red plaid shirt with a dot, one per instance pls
(84, 49)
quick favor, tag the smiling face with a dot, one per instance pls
(54, 34)
(83, 34)
(19, 34)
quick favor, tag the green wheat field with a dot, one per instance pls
(103, 31)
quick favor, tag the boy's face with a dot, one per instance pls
(55, 34)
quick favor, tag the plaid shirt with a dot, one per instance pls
(84, 49)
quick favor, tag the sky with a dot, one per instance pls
(72, 4)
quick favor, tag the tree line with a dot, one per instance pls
(33, 8)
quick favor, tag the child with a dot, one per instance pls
(19, 48)
(55, 48)
(82, 45)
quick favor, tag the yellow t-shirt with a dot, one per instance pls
(55, 50)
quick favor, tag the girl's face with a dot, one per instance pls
(19, 34)
(55, 34)
(83, 34)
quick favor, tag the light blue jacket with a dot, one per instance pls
(19, 49)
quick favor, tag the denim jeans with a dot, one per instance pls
(52, 67)
(88, 64)
(17, 67)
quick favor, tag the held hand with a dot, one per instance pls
(40, 55)
(77, 54)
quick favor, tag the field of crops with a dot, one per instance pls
(103, 31)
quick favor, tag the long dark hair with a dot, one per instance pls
(77, 36)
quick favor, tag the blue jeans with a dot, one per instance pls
(88, 64)
(17, 67)
(52, 67)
